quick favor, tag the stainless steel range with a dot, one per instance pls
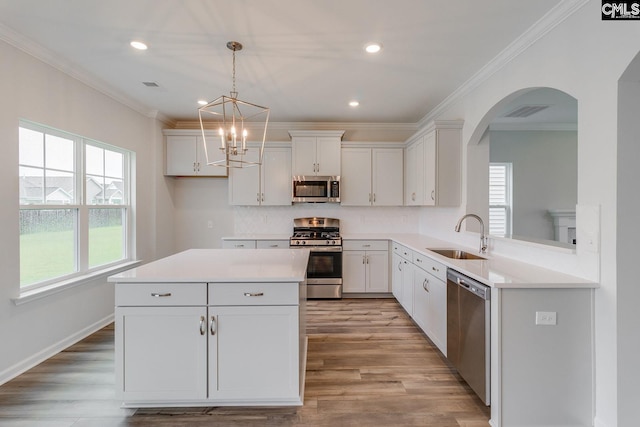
(322, 237)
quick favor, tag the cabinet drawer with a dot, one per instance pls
(253, 294)
(430, 266)
(403, 251)
(365, 245)
(160, 294)
(238, 244)
(272, 244)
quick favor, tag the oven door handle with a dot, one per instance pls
(324, 248)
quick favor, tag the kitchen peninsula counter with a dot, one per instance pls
(495, 271)
(212, 327)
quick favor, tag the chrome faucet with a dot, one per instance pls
(483, 237)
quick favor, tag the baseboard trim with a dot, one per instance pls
(19, 368)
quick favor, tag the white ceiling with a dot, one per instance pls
(302, 58)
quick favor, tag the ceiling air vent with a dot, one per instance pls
(151, 84)
(525, 111)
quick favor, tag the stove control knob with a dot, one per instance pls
(328, 242)
(304, 242)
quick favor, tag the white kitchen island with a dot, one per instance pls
(212, 327)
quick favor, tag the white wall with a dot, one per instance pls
(35, 91)
(584, 57)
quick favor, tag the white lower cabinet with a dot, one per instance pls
(221, 343)
(419, 285)
(365, 266)
(402, 276)
(163, 352)
(252, 351)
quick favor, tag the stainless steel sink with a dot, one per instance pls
(456, 254)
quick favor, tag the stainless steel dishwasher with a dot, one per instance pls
(469, 331)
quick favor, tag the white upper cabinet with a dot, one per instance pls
(315, 153)
(267, 184)
(185, 156)
(371, 177)
(433, 166)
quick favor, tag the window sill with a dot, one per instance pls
(45, 291)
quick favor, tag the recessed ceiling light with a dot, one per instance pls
(353, 103)
(202, 102)
(373, 47)
(136, 44)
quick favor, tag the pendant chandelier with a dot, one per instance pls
(233, 122)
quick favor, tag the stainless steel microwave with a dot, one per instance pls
(316, 189)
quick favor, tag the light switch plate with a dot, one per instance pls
(546, 318)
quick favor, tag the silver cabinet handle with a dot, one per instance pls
(435, 269)
(418, 260)
(374, 197)
(202, 327)
(433, 194)
(400, 266)
(363, 257)
(157, 295)
(239, 246)
(253, 294)
(257, 197)
(366, 246)
(212, 325)
(413, 197)
(274, 246)
(262, 198)
(194, 167)
(369, 197)
(424, 284)
(367, 259)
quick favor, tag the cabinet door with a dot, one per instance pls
(355, 182)
(244, 183)
(414, 195)
(421, 298)
(181, 155)
(387, 177)
(272, 244)
(303, 151)
(430, 169)
(353, 271)
(377, 271)
(407, 287)
(276, 177)
(328, 156)
(166, 353)
(397, 266)
(215, 155)
(437, 314)
(253, 352)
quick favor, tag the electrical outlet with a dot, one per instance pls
(546, 318)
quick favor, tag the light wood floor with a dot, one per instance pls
(368, 365)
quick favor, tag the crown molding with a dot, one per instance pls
(307, 126)
(75, 71)
(549, 21)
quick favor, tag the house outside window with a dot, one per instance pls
(500, 200)
(75, 209)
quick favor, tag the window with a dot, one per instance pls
(500, 205)
(74, 205)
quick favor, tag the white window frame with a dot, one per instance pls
(82, 271)
(508, 205)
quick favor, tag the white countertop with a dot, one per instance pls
(497, 272)
(222, 265)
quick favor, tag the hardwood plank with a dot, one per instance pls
(368, 364)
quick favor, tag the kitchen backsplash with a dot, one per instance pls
(279, 219)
